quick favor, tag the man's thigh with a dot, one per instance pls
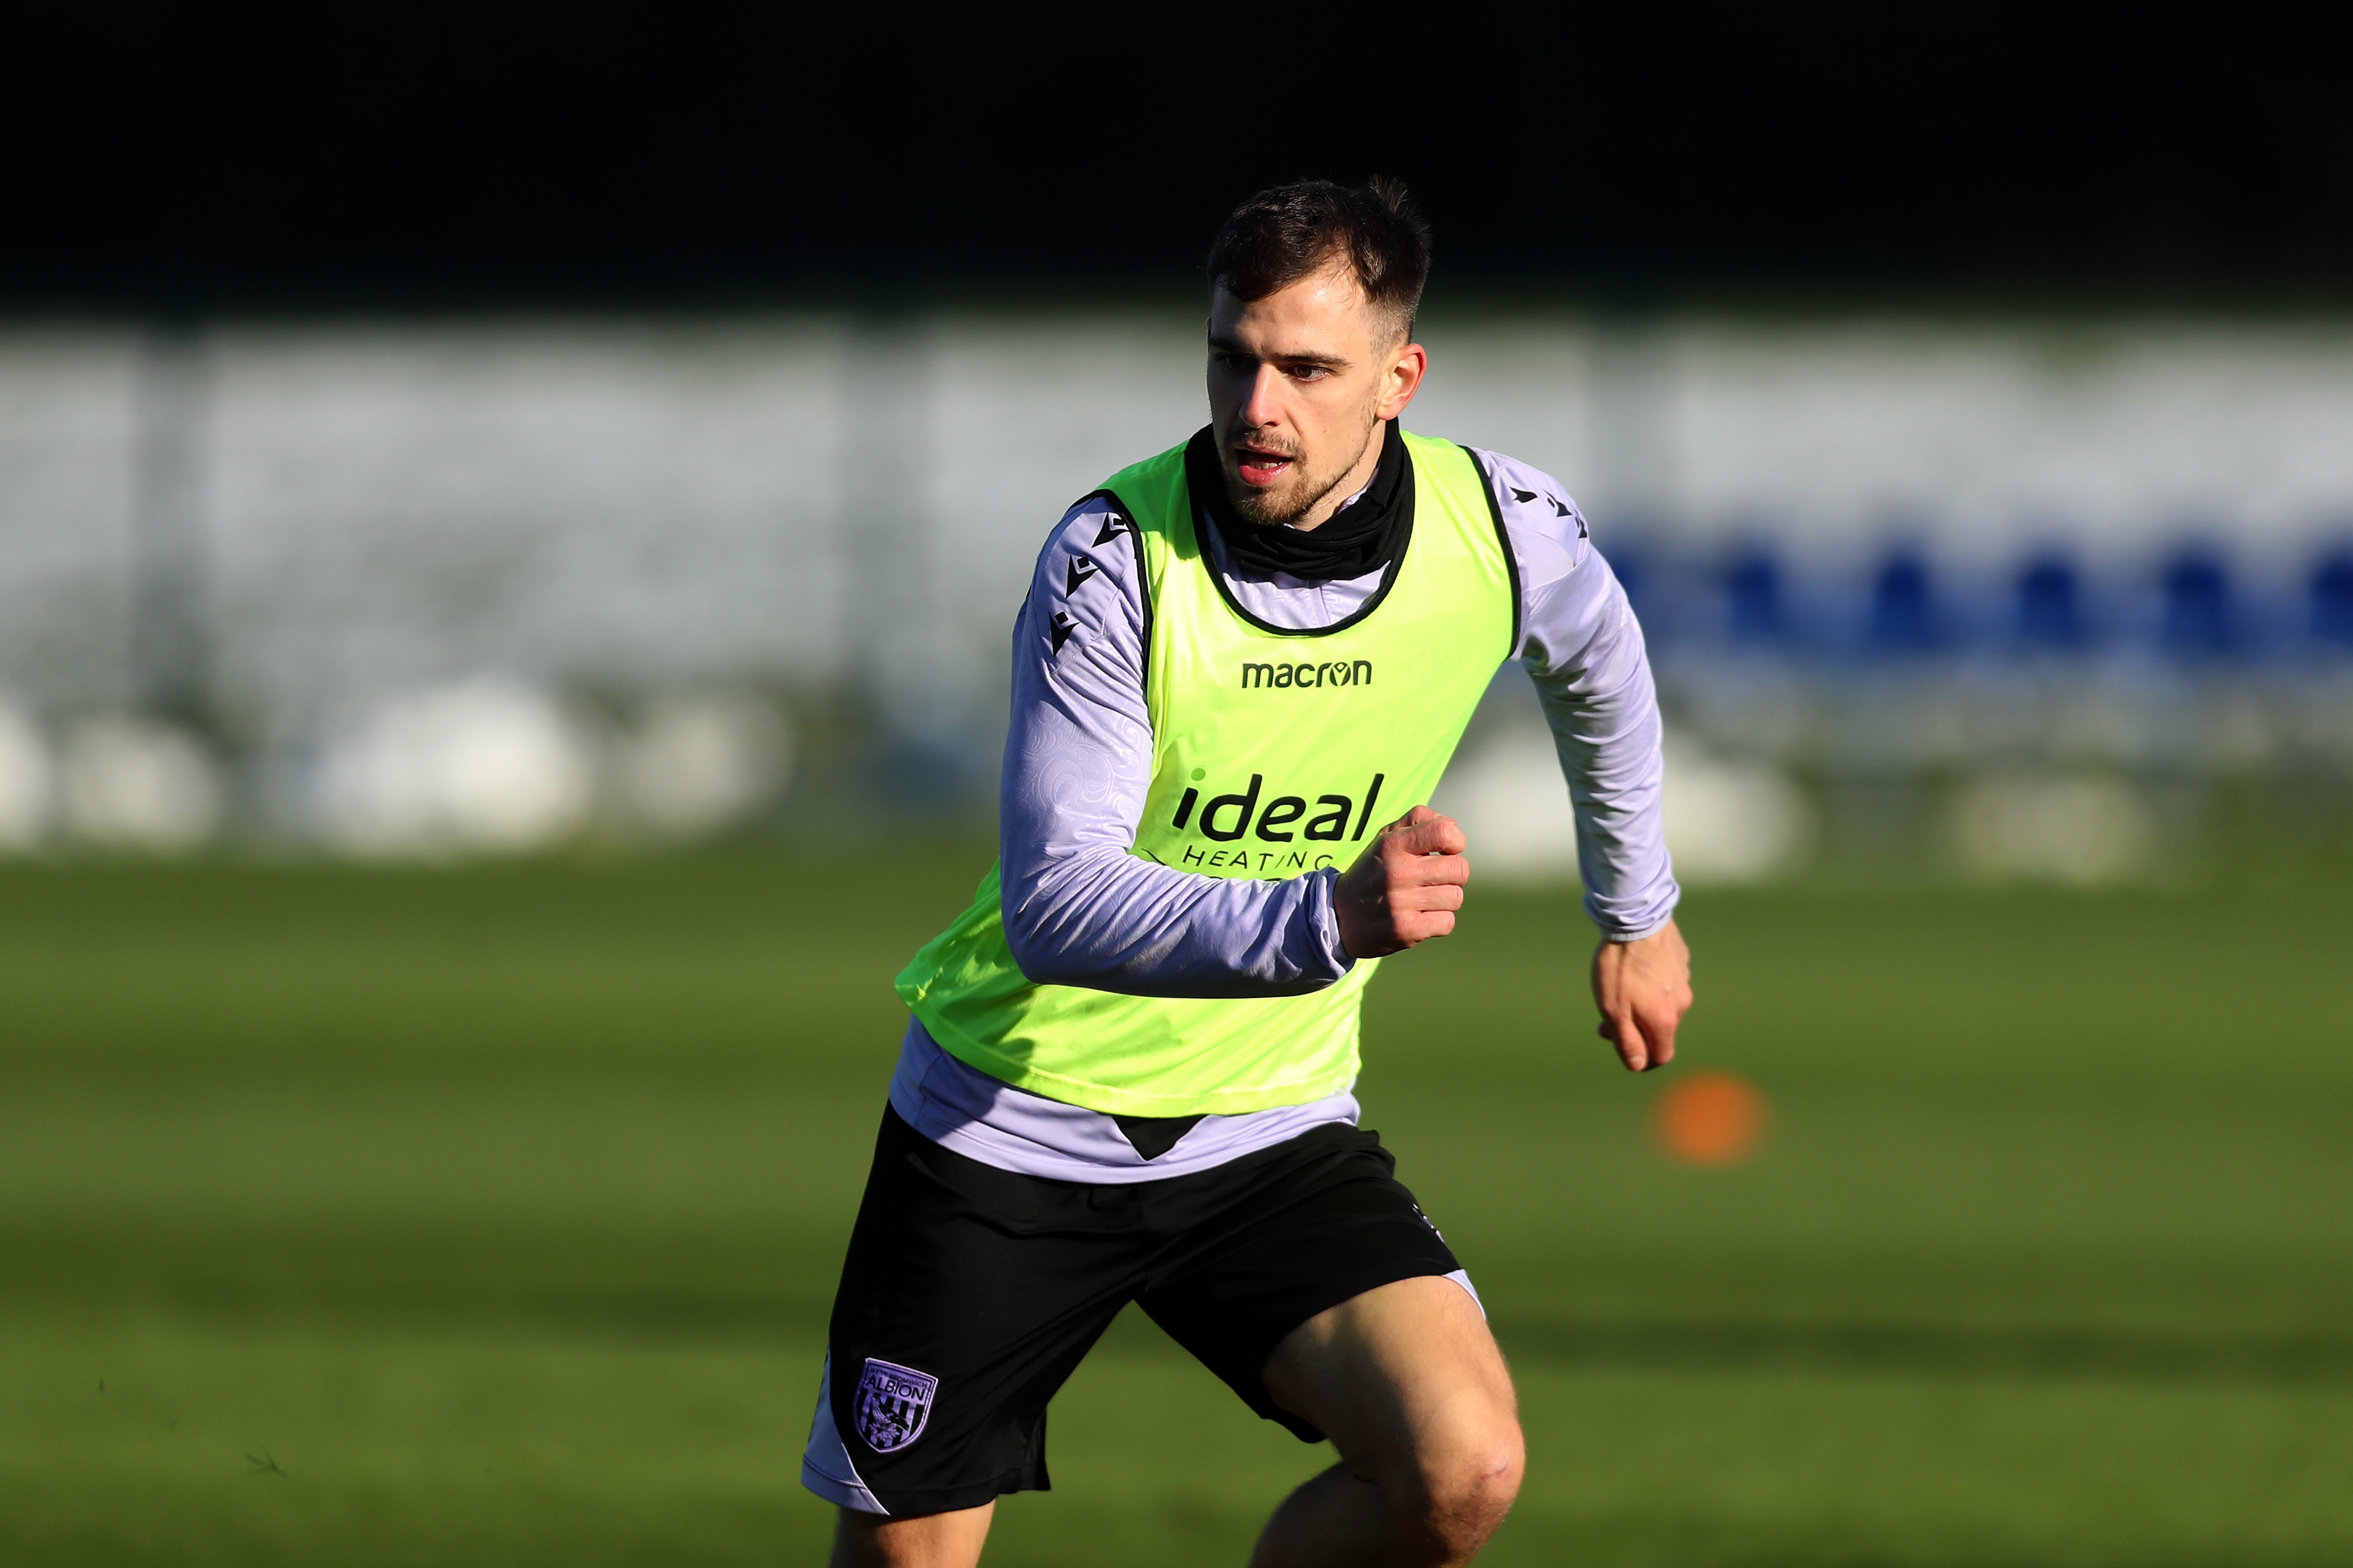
(1279, 1238)
(1408, 1382)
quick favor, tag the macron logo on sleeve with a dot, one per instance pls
(1080, 570)
(1558, 508)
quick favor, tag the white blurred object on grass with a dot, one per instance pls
(1733, 822)
(2083, 830)
(1725, 821)
(483, 765)
(27, 781)
(698, 764)
(137, 784)
(1509, 796)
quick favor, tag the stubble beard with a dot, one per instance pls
(1268, 509)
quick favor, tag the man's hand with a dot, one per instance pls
(1644, 989)
(1405, 888)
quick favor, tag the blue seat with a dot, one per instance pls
(1902, 608)
(1752, 587)
(2196, 620)
(2051, 604)
(2332, 600)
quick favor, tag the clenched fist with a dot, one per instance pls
(1405, 888)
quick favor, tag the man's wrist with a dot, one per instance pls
(1323, 915)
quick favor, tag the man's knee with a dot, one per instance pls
(928, 1541)
(1458, 1488)
(1409, 1385)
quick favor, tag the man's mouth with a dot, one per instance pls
(1258, 466)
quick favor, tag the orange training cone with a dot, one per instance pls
(1709, 1118)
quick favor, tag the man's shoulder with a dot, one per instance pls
(1522, 486)
(1097, 528)
(1087, 580)
(1548, 530)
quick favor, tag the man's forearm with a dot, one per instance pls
(1112, 921)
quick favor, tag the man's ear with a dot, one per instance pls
(1407, 368)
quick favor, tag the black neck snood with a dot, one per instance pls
(1359, 540)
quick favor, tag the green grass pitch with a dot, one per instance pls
(490, 1217)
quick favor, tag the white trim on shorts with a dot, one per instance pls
(826, 1469)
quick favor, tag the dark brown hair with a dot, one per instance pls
(1282, 235)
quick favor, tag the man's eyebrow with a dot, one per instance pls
(1227, 345)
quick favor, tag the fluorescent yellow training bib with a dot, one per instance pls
(1275, 754)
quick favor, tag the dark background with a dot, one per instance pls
(631, 153)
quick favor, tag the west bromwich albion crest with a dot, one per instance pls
(892, 1405)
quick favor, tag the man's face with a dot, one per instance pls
(1299, 382)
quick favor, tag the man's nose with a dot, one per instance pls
(1265, 404)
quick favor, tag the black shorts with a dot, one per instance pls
(970, 1294)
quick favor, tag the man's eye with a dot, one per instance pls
(1310, 372)
(1232, 362)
